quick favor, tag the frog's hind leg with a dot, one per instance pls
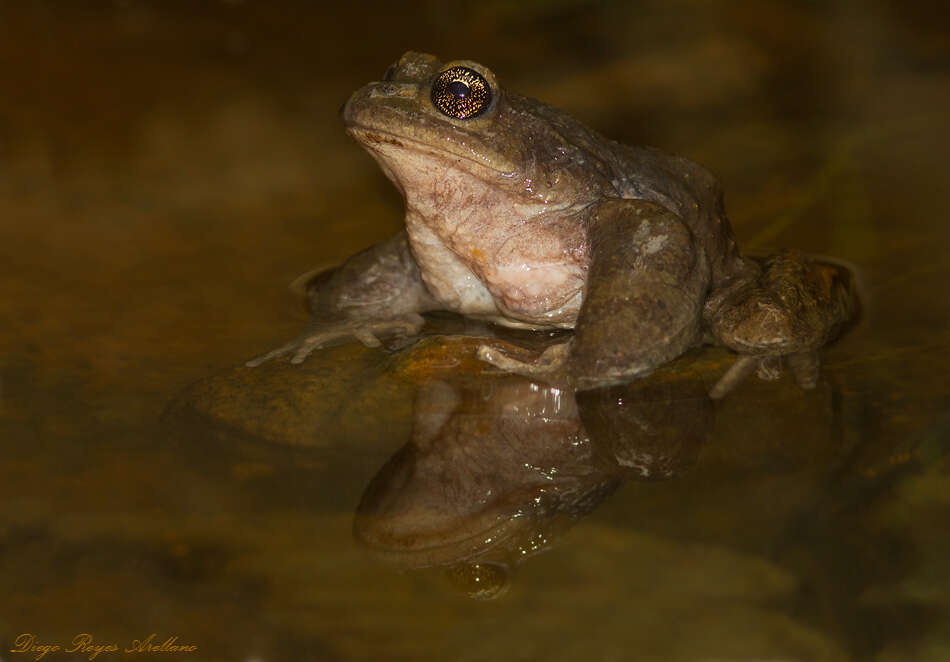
(795, 307)
(643, 300)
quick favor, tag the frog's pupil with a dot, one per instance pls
(458, 89)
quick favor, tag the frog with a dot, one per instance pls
(520, 215)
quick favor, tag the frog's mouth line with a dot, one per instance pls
(370, 137)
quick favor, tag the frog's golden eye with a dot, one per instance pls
(461, 93)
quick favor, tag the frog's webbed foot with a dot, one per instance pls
(550, 366)
(321, 334)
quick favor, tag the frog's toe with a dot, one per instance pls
(366, 336)
(299, 348)
(805, 367)
(497, 358)
(404, 325)
(551, 361)
(324, 333)
(306, 345)
(409, 324)
(273, 354)
(735, 375)
(768, 368)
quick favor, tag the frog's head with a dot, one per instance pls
(434, 126)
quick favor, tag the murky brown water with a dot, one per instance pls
(166, 168)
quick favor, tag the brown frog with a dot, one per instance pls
(518, 214)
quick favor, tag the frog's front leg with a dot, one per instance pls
(642, 301)
(787, 314)
(376, 292)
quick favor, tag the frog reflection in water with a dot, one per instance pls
(498, 469)
(518, 214)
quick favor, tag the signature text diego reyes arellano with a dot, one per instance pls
(85, 644)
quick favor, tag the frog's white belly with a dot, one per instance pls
(522, 294)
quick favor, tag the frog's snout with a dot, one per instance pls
(370, 102)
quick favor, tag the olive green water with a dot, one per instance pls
(167, 168)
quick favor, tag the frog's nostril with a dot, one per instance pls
(385, 89)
